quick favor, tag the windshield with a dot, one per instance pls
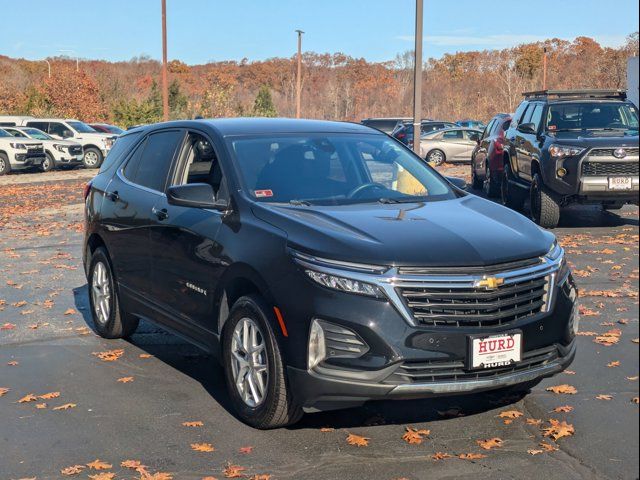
(592, 116)
(335, 169)
(81, 127)
(114, 129)
(37, 134)
(4, 133)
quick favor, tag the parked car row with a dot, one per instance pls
(559, 148)
(65, 143)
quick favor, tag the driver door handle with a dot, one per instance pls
(161, 214)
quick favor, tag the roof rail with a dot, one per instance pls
(589, 93)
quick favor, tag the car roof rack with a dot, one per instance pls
(589, 93)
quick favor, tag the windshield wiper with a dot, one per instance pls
(300, 203)
(401, 200)
(388, 200)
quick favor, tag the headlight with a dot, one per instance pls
(561, 151)
(555, 251)
(18, 146)
(556, 255)
(60, 148)
(344, 284)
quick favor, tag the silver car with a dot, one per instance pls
(449, 145)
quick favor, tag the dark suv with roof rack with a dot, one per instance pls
(324, 263)
(571, 146)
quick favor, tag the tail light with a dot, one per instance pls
(499, 143)
(401, 135)
(86, 189)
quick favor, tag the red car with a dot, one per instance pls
(487, 159)
(106, 128)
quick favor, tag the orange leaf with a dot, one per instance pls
(3, 391)
(233, 471)
(613, 364)
(28, 398)
(125, 380)
(604, 397)
(103, 476)
(192, 424)
(491, 443)
(202, 447)
(558, 430)
(49, 396)
(563, 409)
(512, 414)
(246, 450)
(414, 436)
(70, 311)
(41, 406)
(99, 465)
(132, 464)
(66, 406)
(357, 440)
(471, 456)
(109, 355)
(563, 389)
(72, 470)
(441, 456)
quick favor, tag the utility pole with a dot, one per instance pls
(299, 77)
(49, 67)
(417, 79)
(544, 69)
(165, 86)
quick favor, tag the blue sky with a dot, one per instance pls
(208, 30)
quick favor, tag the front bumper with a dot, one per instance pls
(598, 187)
(69, 159)
(323, 393)
(25, 160)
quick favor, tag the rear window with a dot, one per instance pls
(119, 150)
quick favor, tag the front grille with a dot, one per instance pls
(595, 169)
(433, 371)
(75, 150)
(608, 152)
(474, 307)
(35, 151)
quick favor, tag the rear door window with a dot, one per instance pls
(156, 160)
(44, 126)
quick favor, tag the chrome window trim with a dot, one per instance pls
(390, 281)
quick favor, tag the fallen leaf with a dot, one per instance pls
(440, 456)
(103, 476)
(491, 443)
(145, 355)
(8, 326)
(202, 447)
(192, 424)
(471, 456)
(357, 440)
(66, 406)
(3, 391)
(631, 379)
(72, 470)
(99, 465)
(49, 396)
(70, 311)
(563, 389)
(563, 409)
(233, 471)
(246, 450)
(109, 355)
(327, 429)
(125, 380)
(28, 398)
(558, 430)
(41, 406)
(512, 414)
(635, 400)
(613, 364)
(532, 451)
(534, 421)
(13, 363)
(132, 464)
(547, 447)
(604, 397)
(414, 436)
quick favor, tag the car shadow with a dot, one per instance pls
(206, 370)
(584, 216)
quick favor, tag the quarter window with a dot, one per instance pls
(119, 150)
(57, 129)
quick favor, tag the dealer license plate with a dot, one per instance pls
(620, 183)
(495, 350)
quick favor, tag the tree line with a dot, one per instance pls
(335, 86)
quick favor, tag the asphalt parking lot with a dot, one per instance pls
(64, 402)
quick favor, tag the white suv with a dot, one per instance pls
(96, 145)
(19, 154)
(59, 153)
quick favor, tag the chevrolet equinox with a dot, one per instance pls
(324, 264)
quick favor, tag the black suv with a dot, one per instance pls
(325, 265)
(571, 146)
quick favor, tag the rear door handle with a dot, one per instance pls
(113, 196)
(161, 214)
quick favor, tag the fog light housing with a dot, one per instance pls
(575, 320)
(561, 172)
(317, 350)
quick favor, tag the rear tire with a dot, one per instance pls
(5, 166)
(511, 196)
(273, 406)
(92, 158)
(545, 207)
(108, 317)
(490, 185)
(476, 183)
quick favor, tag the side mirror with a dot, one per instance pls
(195, 195)
(527, 128)
(458, 182)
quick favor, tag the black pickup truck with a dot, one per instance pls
(571, 146)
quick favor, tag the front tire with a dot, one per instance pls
(476, 183)
(254, 369)
(48, 163)
(108, 317)
(5, 166)
(545, 207)
(92, 158)
(436, 157)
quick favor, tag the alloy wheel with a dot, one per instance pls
(101, 293)
(486, 184)
(90, 159)
(249, 363)
(2, 164)
(436, 157)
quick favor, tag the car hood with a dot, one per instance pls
(595, 139)
(468, 231)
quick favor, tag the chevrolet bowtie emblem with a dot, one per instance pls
(490, 283)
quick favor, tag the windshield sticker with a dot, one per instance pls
(263, 193)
